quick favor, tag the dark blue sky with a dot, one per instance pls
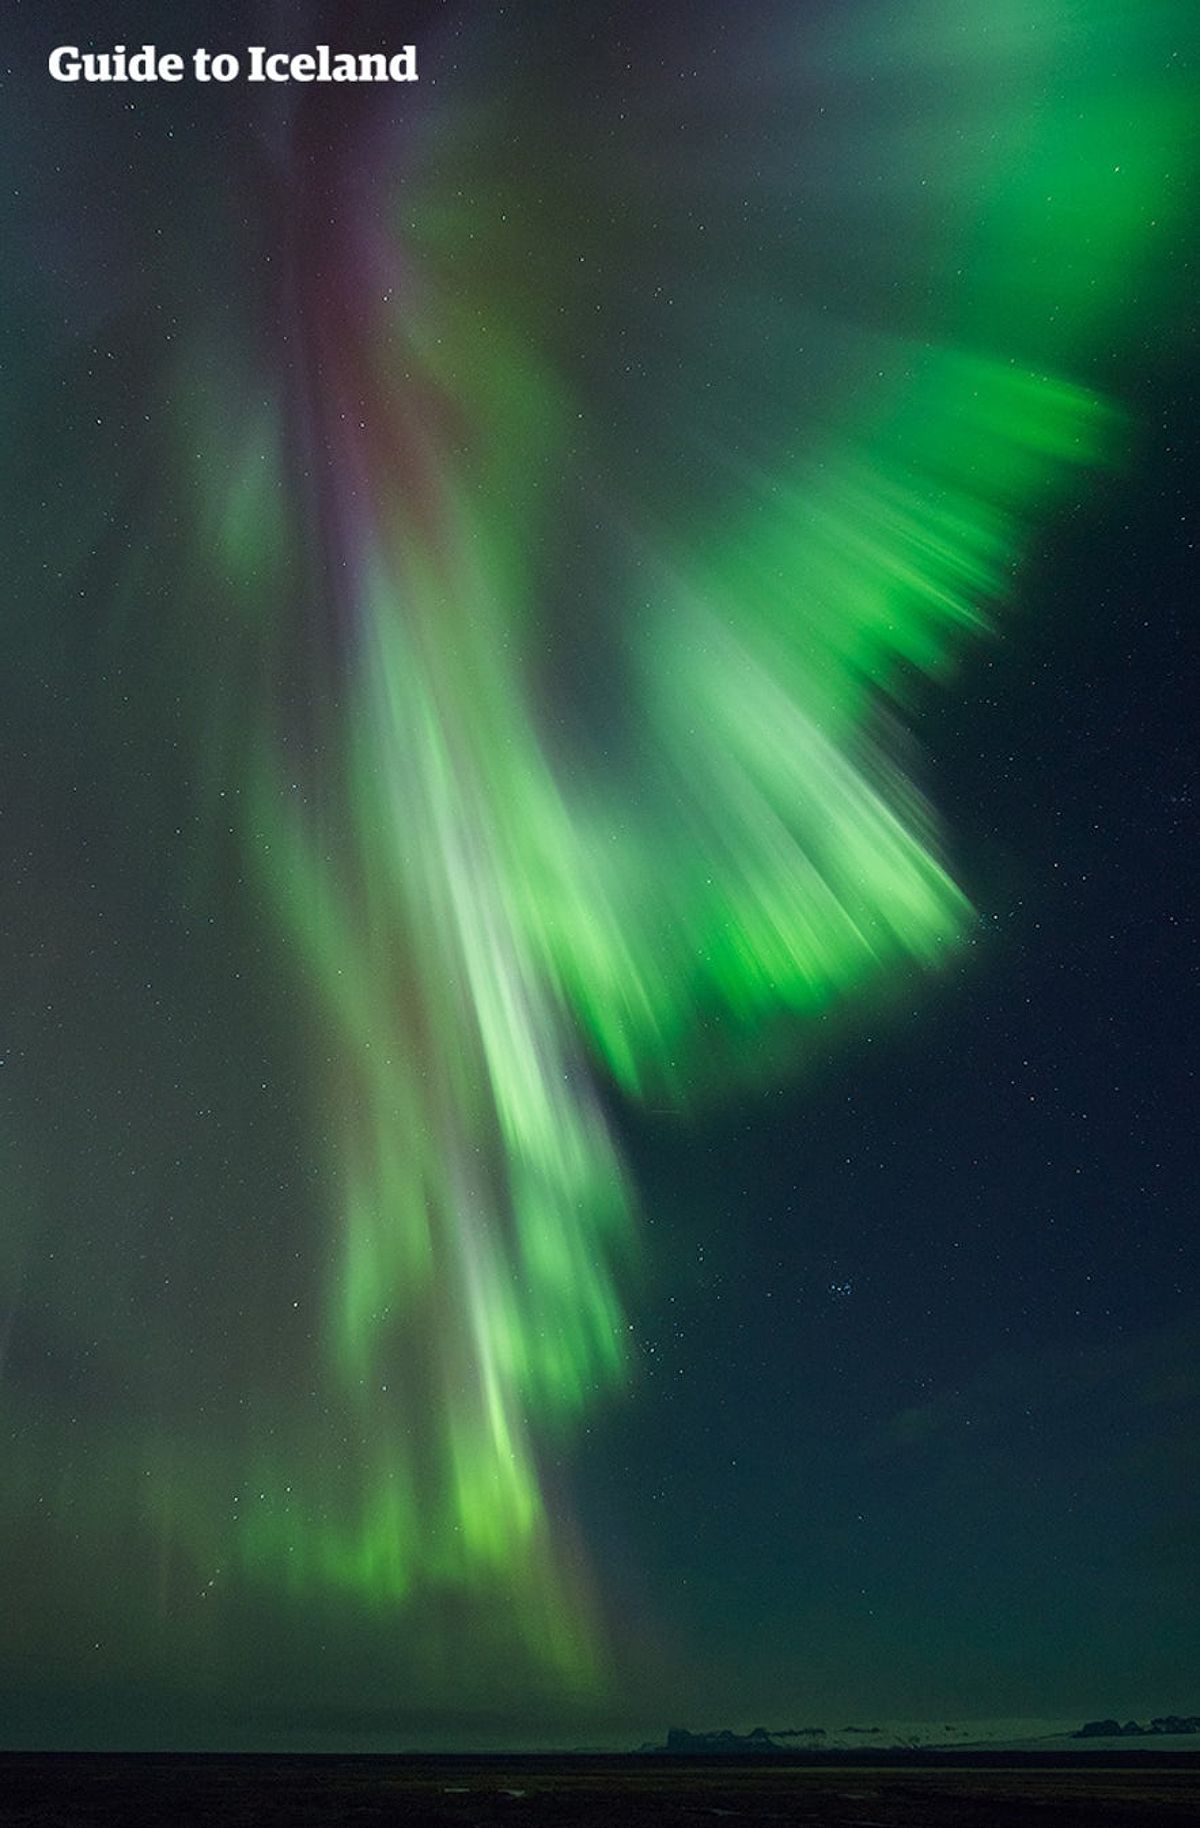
(911, 1429)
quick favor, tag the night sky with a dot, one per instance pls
(597, 858)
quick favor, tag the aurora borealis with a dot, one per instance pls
(495, 558)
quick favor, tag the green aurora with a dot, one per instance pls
(504, 902)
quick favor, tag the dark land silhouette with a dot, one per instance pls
(1088, 1789)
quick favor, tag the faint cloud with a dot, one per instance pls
(1036, 1391)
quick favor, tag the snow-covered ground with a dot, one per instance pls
(979, 1735)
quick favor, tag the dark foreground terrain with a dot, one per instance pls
(1102, 1791)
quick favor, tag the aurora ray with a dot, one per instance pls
(475, 429)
